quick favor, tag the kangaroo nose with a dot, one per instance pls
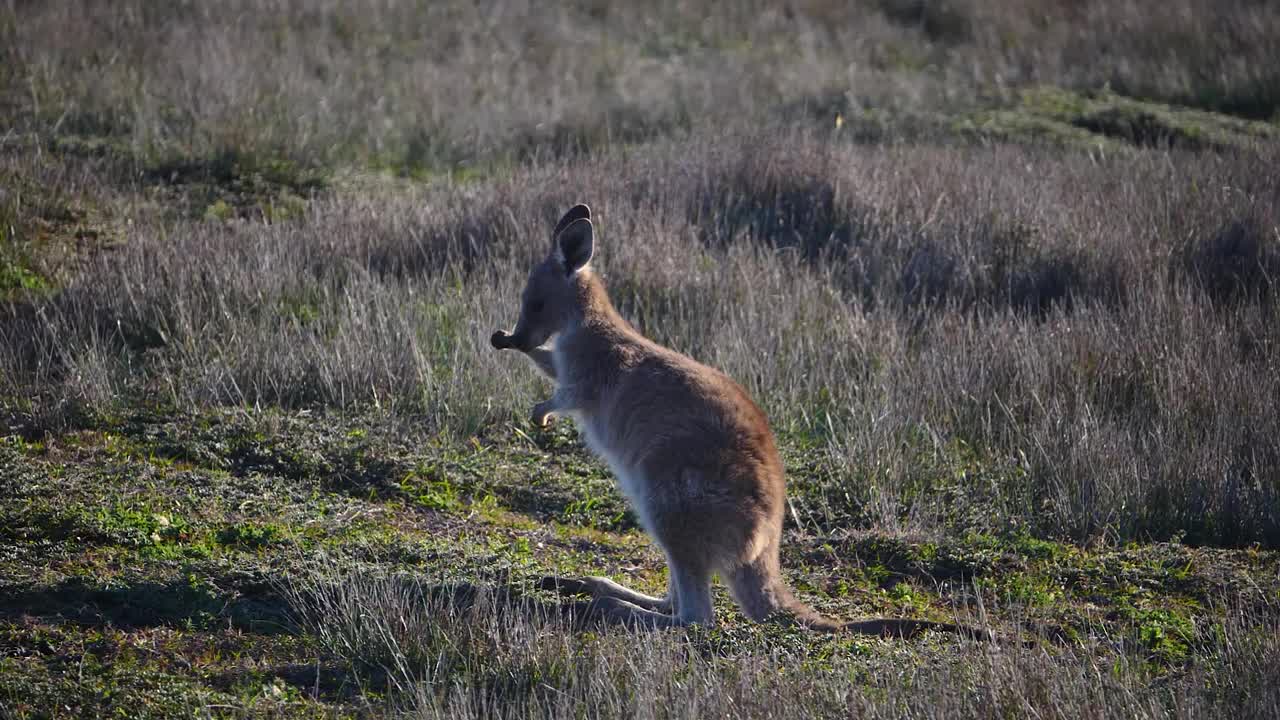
(500, 340)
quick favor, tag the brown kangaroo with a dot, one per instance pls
(691, 451)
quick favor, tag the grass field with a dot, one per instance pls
(1005, 277)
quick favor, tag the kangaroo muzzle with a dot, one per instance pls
(501, 340)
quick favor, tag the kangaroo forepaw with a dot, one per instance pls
(542, 413)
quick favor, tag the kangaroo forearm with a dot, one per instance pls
(543, 359)
(561, 401)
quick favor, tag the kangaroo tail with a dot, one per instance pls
(777, 598)
(761, 592)
(795, 610)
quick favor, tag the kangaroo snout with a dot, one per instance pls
(503, 340)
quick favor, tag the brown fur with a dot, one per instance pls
(692, 452)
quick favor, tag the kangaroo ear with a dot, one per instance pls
(577, 212)
(575, 244)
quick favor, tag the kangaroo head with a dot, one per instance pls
(550, 298)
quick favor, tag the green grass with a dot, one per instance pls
(180, 530)
(1108, 122)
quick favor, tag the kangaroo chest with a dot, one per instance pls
(593, 419)
(631, 482)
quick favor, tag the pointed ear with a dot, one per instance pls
(577, 212)
(575, 244)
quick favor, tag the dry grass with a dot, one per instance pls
(439, 86)
(1088, 347)
(479, 657)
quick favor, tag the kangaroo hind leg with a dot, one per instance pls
(690, 584)
(756, 588)
(616, 610)
(602, 587)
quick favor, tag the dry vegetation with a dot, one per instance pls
(1014, 319)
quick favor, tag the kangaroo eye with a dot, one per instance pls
(535, 307)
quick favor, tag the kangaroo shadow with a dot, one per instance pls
(178, 602)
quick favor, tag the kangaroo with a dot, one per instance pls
(690, 450)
